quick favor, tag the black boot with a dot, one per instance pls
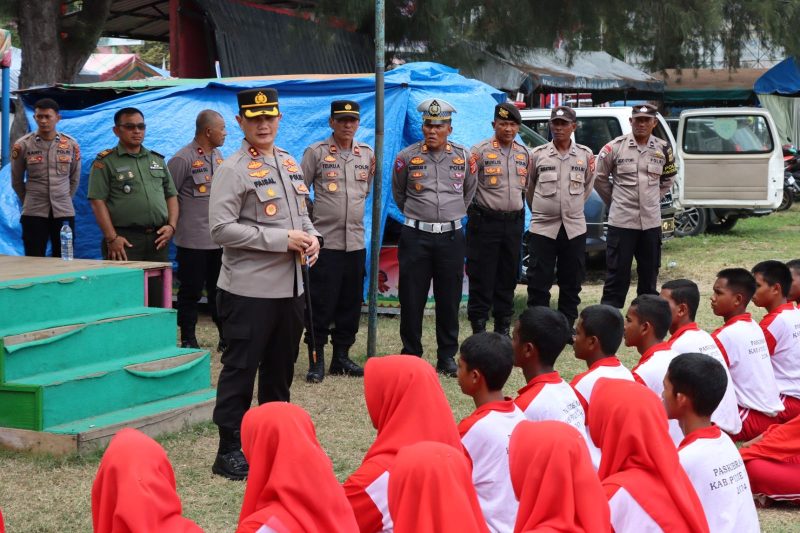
(342, 365)
(478, 325)
(316, 371)
(502, 326)
(447, 366)
(230, 462)
(222, 345)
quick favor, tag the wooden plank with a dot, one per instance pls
(21, 267)
(61, 444)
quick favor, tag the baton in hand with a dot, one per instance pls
(312, 342)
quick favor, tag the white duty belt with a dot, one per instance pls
(433, 227)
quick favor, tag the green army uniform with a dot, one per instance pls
(135, 188)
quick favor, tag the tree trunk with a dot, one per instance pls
(50, 54)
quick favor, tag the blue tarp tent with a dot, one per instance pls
(778, 90)
(305, 103)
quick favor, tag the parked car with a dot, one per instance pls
(730, 166)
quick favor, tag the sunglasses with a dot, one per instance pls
(130, 127)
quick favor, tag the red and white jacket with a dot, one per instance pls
(650, 372)
(782, 332)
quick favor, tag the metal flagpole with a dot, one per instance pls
(377, 187)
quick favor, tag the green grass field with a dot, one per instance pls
(46, 494)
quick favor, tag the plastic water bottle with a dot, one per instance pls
(66, 242)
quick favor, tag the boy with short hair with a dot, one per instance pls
(646, 324)
(540, 335)
(484, 364)
(742, 343)
(781, 327)
(794, 290)
(683, 297)
(693, 387)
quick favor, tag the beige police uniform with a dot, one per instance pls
(53, 171)
(559, 187)
(642, 175)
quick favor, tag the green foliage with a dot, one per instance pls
(154, 53)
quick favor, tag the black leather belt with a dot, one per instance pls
(139, 229)
(491, 213)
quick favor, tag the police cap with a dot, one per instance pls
(644, 110)
(345, 108)
(507, 111)
(563, 112)
(255, 102)
(436, 111)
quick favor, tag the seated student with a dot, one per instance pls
(484, 364)
(683, 297)
(549, 454)
(540, 335)
(794, 290)
(693, 387)
(773, 463)
(291, 485)
(781, 327)
(646, 487)
(407, 405)
(646, 324)
(134, 489)
(430, 490)
(742, 343)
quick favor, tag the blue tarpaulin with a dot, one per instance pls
(783, 78)
(305, 103)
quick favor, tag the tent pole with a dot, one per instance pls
(6, 106)
(377, 182)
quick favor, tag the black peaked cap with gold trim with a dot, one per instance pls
(345, 108)
(255, 102)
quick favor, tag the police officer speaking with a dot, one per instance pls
(340, 170)
(644, 168)
(433, 183)
(495, 225)
(258, 215)
(561, 182)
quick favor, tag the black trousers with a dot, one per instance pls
(337, 290)
(623, 245)
(196, 269)
(36, 231)
(144, 249)
(263, 336)
(493, 250)
(561, 258)
(426, 257)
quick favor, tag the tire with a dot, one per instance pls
(690, 222)
(724, 224)
(788, 200)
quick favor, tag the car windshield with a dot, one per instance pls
(727, 134)
(530, 137)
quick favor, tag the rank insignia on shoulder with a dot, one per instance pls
(356, 150)
(259, 173)
(254, 165)
(495, 144)
(253, 152)
(98, 164)
(424, 148)
(417, 161)
(197, 164)
(330, 158)
(104, 153)
(271, 210)
(458, 161)
(448, 147)
(63, 145)
(332, 149)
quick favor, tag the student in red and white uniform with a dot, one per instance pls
(683, 297)
(646, 324)
(773, 463)
(550, 454)
(741, 342)
(781, 327)
(484, 364)
(540, 335)
(693, 387)
(794, 290)
(598, 335)
(430, 490)
(291, 485)
(407, 405)
(134, 489)
(647, 489)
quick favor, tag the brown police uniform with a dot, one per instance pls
(559, 187)
(494, 231)
(53, 171)
(341, 180)
(256, 199)
(199, 258)
(642, 176)
(433, 190)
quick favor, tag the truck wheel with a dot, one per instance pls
(724, 224)
(788, 200)
(690, 222)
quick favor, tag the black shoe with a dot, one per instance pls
(342, 365)
(447, 367)
(572, 333)
(503, 327)
(222, 345)
(478, 325)
(189, 343)
(231, 465)
(316, 371)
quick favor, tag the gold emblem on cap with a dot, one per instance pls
(503, 112)
(260, 98)
(333, 187)
(271, 209)
(434, 109)
(348, 107)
